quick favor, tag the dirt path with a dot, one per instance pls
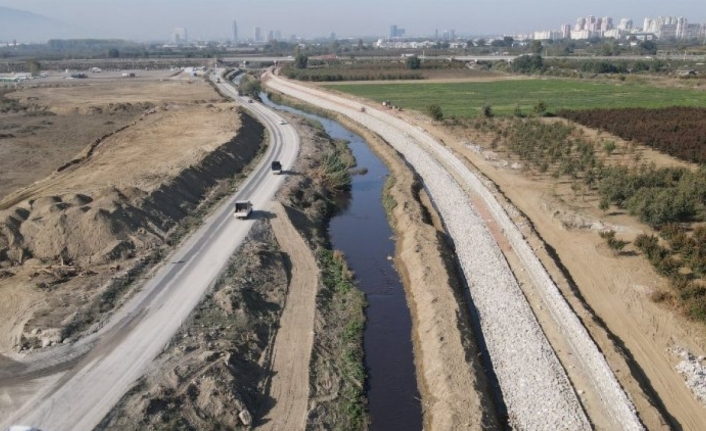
(289, 386)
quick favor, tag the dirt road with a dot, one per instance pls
(289, 385)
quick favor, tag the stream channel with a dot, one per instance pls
(361, 231)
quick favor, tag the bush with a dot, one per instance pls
(435, 112)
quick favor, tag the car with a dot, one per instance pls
(282, 122)
(249, 100)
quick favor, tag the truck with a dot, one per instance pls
(276, 167)
(243, 209)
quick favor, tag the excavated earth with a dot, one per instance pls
(71, 244)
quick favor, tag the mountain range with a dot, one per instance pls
(25, 26)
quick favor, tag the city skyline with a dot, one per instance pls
(213, 20)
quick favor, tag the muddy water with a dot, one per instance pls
(362, 233)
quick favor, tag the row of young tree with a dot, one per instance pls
(677, 131)
(671, 200)
(656, 196)
(683, 262)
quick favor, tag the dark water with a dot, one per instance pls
(362, 233)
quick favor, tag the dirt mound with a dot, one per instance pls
(80, 238)
(106, 224)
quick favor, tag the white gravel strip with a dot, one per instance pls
(535, 387)
(693, 371)
(615, 401)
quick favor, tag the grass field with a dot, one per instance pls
(466, 99)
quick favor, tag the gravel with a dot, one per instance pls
(694, 372)
(535, 387)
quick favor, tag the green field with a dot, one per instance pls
(467, 98)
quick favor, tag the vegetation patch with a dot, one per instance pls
(466, 99)
(411, 68)
(677, 131)
(342, 335)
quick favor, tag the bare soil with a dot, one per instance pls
(214, 374)
(65, 116)
(288, 387)
(71, 243)
(610, 293)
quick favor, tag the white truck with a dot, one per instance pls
(243, 209)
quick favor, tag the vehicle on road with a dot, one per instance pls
(249, 100)
(243, 209)
(282, 122)
(276, 167)
(218, 80)
(362, 109)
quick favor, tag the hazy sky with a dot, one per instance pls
(211, 19)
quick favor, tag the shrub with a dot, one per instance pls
(435, 112)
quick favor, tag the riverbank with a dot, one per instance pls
(455, 389)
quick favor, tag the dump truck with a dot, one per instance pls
(276, 167)
(243, 209)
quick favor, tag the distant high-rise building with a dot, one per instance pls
(235, 31)
(278, 35)
(396, 32)
(682, 28)
(625, 24)
(270, 36)
(332, 36)
(452, 34)
(580, 24)
(180, 35)
(606, 23)
(436, 34)
(566, 31)
(257, 34)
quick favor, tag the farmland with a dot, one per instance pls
(466, 99)
(677, 131)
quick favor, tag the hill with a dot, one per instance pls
(25, 26)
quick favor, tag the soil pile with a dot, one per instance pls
(115, 208)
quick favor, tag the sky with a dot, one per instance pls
(212, 19)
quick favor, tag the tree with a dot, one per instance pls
(301, 61)
(540, 109)
(361, 46)
(648, 47)
(435, 112)
(536, 47)
(413, 62)
(250, 86)
(113, 53)
(33, 67)
(508, 41)
(487, 110)
(528, 64)
(481, 42)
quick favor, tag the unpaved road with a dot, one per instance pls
(82, 396)
(535, 387)
(289, 385)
